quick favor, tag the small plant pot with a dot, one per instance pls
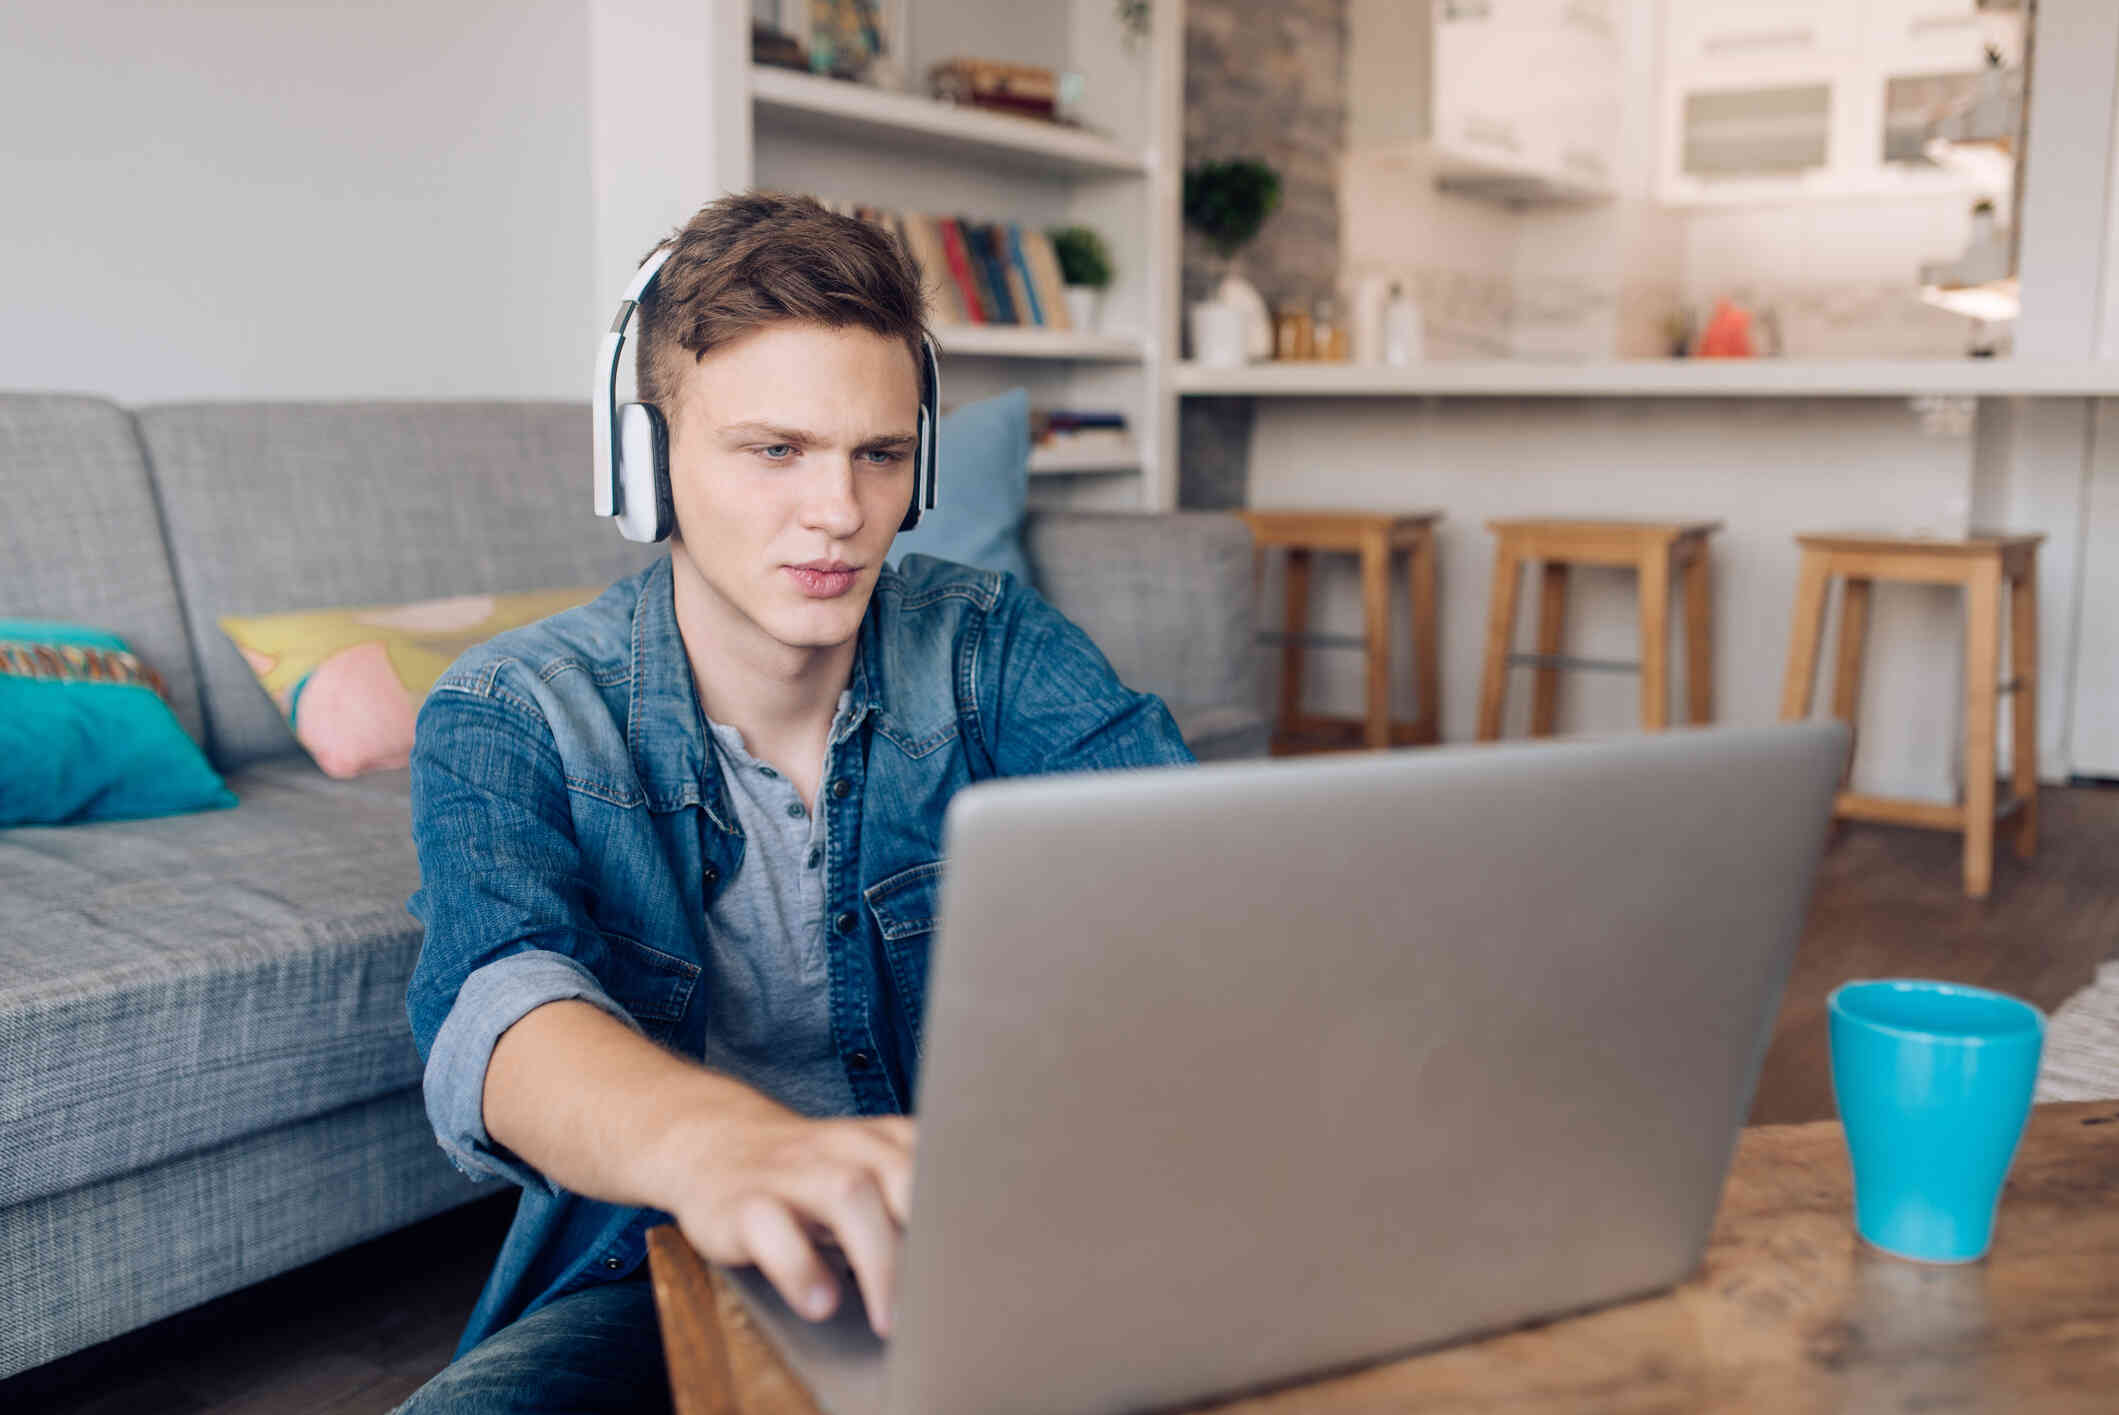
(1218, 335)
(1084, 304)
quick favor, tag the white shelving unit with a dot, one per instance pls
(1118, 172)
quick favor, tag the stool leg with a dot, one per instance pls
(1982, 666)
(1376, 628)
(1545, 681)
(1655, 640)
(1295, 619)
(2023, 667)
(1427, 648)
(1500, 626)
(1811, 585)
(1846, 674)
(1699, 639)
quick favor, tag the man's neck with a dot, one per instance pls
(781, 699)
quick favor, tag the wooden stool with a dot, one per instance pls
(1658, 550)
(1376, 537)
(1984, 565)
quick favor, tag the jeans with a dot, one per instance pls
(593, 1352)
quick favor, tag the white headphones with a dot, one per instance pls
(632, 475)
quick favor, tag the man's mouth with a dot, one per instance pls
(824, 579)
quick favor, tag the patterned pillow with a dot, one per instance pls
(87, 734)
(350, 681)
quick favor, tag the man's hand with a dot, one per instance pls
(766, 1186)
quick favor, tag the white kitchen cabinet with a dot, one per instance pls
(1512, 99)
(1779, 100)
(1925, 36)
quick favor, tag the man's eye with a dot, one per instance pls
(776, 447)
(885, 456)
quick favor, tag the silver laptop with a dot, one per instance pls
(1240, 1073)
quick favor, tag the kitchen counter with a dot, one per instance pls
(1660, 378)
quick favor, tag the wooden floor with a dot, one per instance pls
(356, 1333)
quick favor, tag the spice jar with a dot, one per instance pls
(1293, 336)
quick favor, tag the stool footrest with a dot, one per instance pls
(1561, 660)
(1315, 637)
(1926, 815)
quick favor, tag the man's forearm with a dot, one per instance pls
(591, 1104)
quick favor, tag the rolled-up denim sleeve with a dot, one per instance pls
(492, 999)
(1058, 705)
(503, 897)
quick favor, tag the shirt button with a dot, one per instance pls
(794, 810)
(859, 1060)
(841, 789)
(814, 857)
(613, 1264)
(844, 923)
(712, 874)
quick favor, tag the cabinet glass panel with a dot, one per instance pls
(1913, 103)
(1761, 132)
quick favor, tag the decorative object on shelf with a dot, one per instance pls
(1404, 334)
(1227, 201)
(846, 38)
(1026, 89)
(1328, 333)
(1728, 333)
(1136, 18)
(1086, 267)
(1294, 337)
(1220, 334)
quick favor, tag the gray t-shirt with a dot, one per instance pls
(768, 1022)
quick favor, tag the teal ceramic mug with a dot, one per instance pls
(1933, 1082)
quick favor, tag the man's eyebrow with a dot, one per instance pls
(794, 436)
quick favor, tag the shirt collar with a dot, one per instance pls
(665, 730)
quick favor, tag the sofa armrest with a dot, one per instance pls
(1167, 596)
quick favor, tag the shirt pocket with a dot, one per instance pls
(653, 987)
(906, 907)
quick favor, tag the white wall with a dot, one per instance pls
(283, 200)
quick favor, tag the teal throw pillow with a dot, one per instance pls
(982, 483)
(86, 734)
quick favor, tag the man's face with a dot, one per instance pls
(792, 452)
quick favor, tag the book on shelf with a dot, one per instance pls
(1077, 432)
(977, 272)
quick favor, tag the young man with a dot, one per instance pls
(680, 847)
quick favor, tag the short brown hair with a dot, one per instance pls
(757, 258)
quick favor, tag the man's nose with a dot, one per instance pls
(830, 504)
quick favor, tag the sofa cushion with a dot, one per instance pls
(282, 506)
(1223, 732)
(1168, 598)
(982, 482)
(86, 733)
(171, 984)
(81, 540)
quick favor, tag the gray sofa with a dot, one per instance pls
(209, 1075)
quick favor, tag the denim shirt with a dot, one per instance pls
(573, 827)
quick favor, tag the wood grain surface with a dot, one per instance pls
(1789, 1311)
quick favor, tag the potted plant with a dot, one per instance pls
(1227, 201)
(1085, 265)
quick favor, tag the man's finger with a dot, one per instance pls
(775, 1242)
(891, 1164)
(849, 1200)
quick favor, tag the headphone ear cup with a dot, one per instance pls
(665, 503)
(645, 511)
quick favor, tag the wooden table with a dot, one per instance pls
(1790, 1312)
